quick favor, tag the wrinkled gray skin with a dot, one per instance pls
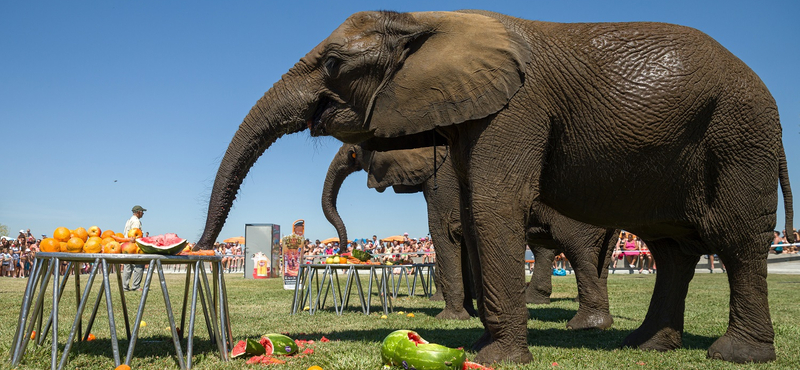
(648, 127)
(412, 170)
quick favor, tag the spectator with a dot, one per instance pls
(646, 258)
(133, 270)
(777, 242)
(631, 251)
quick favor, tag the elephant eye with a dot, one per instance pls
(331, 66)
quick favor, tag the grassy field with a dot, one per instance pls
(262, 306)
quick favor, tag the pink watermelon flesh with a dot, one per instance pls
(239, 349)
(162, 240)
(267, 345)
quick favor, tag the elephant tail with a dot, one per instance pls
(786, 189)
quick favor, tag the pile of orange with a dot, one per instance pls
(93, 240)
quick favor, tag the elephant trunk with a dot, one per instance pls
(339, 169)
(282, 110)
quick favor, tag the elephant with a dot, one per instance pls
(427, 170)
(649, 127)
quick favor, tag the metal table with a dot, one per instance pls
(417, 274)
(213, 299)
(308, 279)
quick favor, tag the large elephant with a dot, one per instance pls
(649, 127)
(429, 171)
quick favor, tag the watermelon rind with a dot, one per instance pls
(247, 347)
(281, 344)
(147, 246)
(361, 255)
(399, 350)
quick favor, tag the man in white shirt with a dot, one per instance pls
(131, 269)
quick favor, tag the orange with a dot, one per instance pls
(112, 247)
(75, 245)
(91, 337)
(107, 240)
(93, 245)
(81, 233)
(315, 367)
(122, 367)
(134, 233)
(33, 335)
(63, 247)
(94, 231)
(61, 234)
(49, 245)
(107, 234)
(119, 235)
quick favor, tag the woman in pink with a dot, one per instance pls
(631, 250)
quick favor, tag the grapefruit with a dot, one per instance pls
(75, 245)
(50, 245)
(81, 233)
(93, 245)
(61, 234)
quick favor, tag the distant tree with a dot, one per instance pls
(3, 230)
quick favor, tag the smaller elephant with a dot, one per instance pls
(429, 171)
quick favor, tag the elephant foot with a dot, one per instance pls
(590, 320)
(438, 296)
(664, 339)
(453, 314)
(483, 341)
(537, 298)
(496, 352)
(730, 349)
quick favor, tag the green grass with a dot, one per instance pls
(261, 306)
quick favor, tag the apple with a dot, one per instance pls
(94, 231)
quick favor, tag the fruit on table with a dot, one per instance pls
(135, 233)
(50, 245)
(75, 245)
(161, 244)
(406, 348)
(80, 233)
(361, 255)
(112, 247)
(247, 347)
(278, 344)
(107, 233)
(129, 248)
(61, 234)
(93, 245)
(94, 231)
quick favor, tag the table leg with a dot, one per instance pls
(27, 299)
(122, 300)
(139, 313)
(226, 320)
(76, 324)
(77, 272)
(300, 272)
(168, 307)
(62, 287)
(190, 333)
(100, 295)
(212, 310)
(347, 284)
(54, 316)
(112, 328)
(39, 312)
(364, 308)
(185, 298)
(223, 317)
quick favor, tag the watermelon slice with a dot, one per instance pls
(278, 344)
(161, 244)
(247, 347)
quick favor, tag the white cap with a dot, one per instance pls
(22, 231)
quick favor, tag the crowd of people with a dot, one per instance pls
(18, 254)
(395, 251)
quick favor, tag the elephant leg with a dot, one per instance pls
(663, 326)
(541, 286)
(449, 262)
(588, 261)
(502, 294)
(750, 335)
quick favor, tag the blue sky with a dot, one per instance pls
(108, 104)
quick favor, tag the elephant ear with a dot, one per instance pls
(407, 167)
(463, 67)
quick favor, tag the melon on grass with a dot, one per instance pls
(406, 348)
(278, 345)
(247, 347)
(161, 244)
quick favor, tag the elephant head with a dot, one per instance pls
(379, 75)
(404, 170)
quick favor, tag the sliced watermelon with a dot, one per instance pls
(278, 344)
(247, 347)
(161, 244)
